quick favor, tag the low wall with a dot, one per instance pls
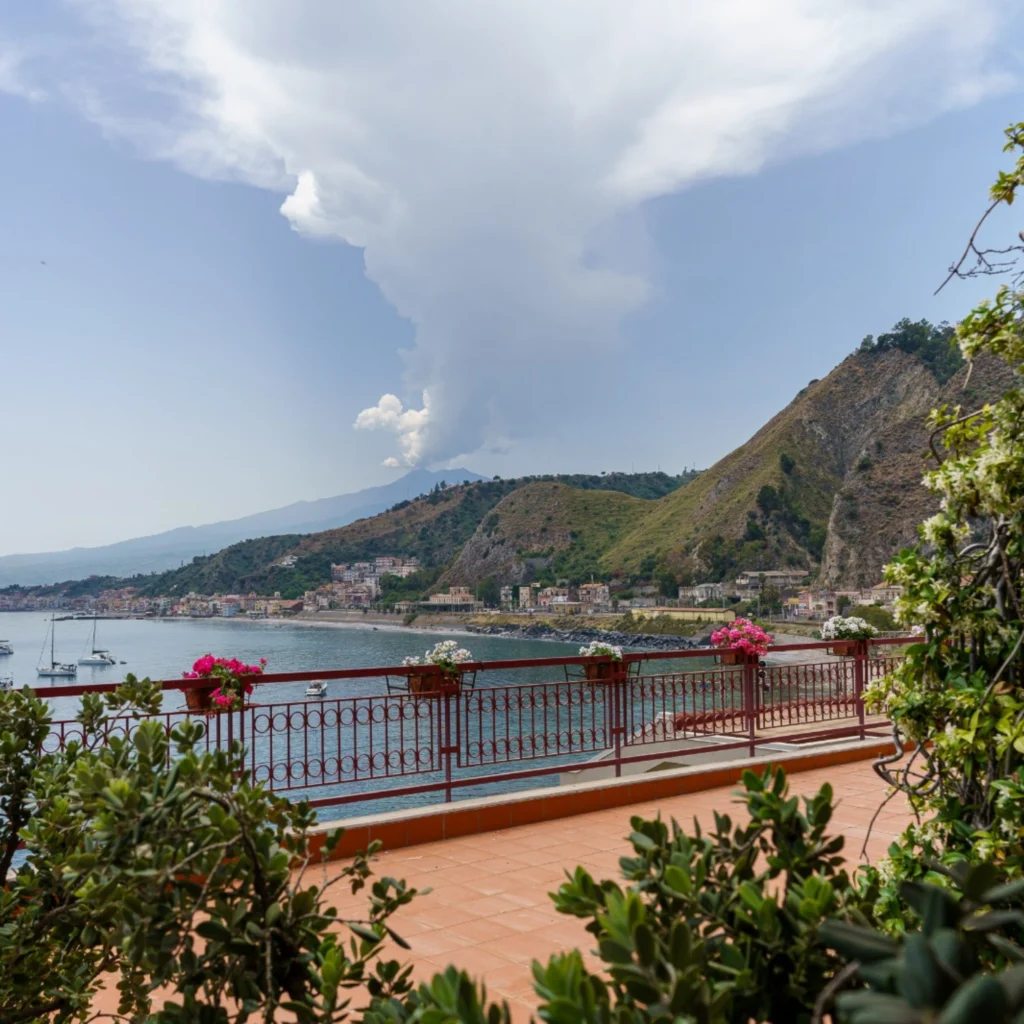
(397, 829)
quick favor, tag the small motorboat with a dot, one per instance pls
(317, 688)
(6, 684)
(6, 647)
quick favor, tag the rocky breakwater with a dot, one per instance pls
(538, 631)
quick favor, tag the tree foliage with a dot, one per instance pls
(959, 695)
(153, 863)
(934, 346)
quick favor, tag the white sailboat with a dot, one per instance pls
(6, 647)
(57, 669)
(98, 655)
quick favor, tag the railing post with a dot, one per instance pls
(859, 671)
(448, 738)
(750, 699)
(619, 676)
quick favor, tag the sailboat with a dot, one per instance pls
(57, 669)
(99, 655)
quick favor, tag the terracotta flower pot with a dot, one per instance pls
(843, 648)
(599, 672)
(200, 699)
(433, 684)
(729, 657)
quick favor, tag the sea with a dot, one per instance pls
(164, 649)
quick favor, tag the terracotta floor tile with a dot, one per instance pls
(478, 960)
(527, 920)
(483, 929)
(436, 915)
(491, 906)
(523, 948)
(439, 943)
(510, 977)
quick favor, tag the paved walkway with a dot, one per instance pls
(489, 910)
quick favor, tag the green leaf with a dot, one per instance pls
(214, 931)
(854, 942)
(981, 999)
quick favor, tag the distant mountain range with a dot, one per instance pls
(168, 550)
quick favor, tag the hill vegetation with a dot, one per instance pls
(432, 528)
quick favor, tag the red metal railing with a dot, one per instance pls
(393, 745)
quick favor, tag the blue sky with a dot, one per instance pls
(643, 293)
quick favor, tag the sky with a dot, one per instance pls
(256, 251)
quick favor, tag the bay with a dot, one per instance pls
(163, 649)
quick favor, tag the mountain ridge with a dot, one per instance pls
(166, 549)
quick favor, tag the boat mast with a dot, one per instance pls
(94, 634)
(53, 631)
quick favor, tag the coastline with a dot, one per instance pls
(447, 627)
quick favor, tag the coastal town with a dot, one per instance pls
(777, 594)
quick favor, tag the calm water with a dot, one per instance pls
(164, 649)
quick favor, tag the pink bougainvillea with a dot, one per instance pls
(742, 635)
(234, 676)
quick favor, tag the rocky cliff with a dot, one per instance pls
(881, 501)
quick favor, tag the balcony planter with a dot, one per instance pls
(435, 684)
(739, 642)
(844, 648)
(200, 699)
(599, 672)
(228, 683)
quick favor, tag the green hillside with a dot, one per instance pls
(225, 572)
(433, 528)
(547, 531)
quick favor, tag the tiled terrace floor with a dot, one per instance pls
(489, 911)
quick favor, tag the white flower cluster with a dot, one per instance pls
(596, 647)
(849, 628)
(445, 654)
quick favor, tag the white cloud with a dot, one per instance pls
(480, 151)
(12, 76)
(409, 425)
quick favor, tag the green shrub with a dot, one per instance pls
(155, 860)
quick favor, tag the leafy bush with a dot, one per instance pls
(155, 860)
(958, 697)
(953, 968)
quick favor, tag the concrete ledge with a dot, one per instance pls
(396, 829)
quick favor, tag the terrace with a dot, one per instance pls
(486, 791)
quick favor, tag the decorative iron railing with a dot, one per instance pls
(377, 741)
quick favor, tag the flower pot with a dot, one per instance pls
(843, 648)
(434, 684)
(599, 672)
(729, 657)
(200, 699)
